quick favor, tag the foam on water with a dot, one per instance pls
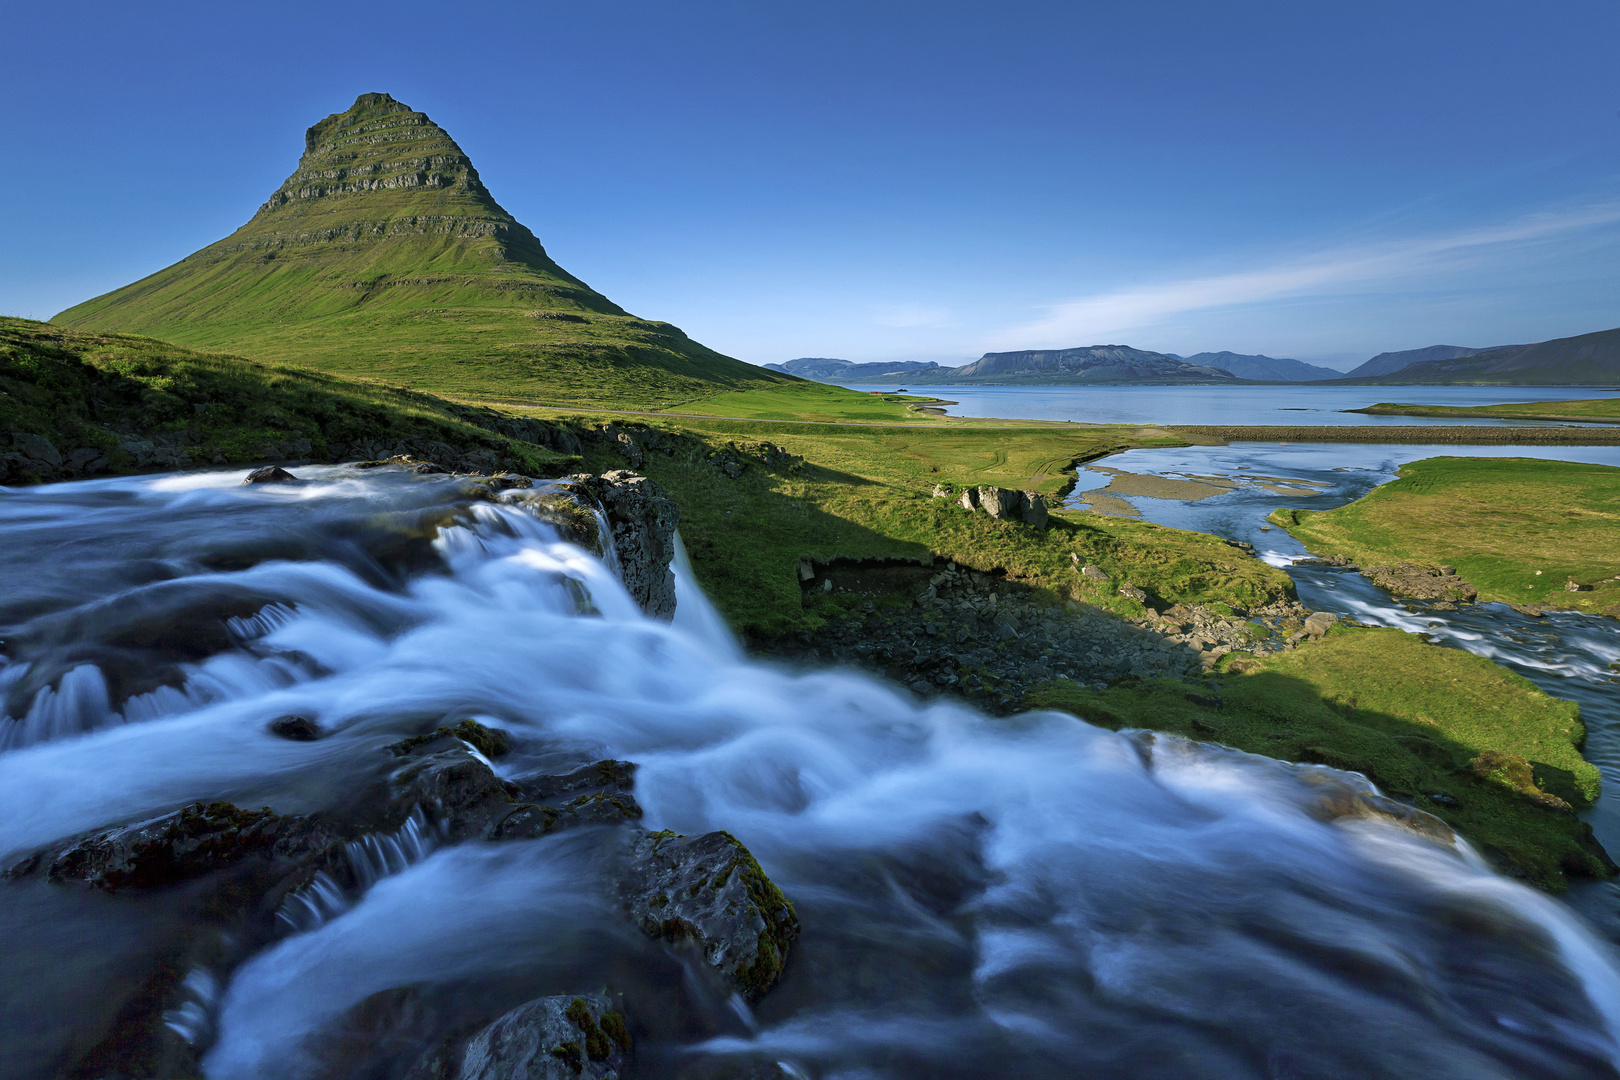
(1029, 896)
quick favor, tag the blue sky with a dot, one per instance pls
(889, 180)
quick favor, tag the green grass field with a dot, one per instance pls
(1589, 410)
(1517, 529)
(868, 495)
(1414, 718)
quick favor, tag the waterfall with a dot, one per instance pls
(1028, 896)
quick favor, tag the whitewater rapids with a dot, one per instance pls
(1025, 897)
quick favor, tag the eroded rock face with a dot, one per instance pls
(710, 891)
(643, 523)
(1422, 582)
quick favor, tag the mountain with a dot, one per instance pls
(1585, 360)
(384, 255)
(825, 369)
(1091, 364)
(1389, 363)
(1261, 368)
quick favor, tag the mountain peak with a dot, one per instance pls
(384, 255)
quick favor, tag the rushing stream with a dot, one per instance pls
(1566, 654)
(1031, 897)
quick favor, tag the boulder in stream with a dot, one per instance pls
(708, 890)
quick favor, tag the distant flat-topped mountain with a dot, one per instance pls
(1056, 367)
(1585, 360)
(1261, 368)
(385, 255)
(828, 370)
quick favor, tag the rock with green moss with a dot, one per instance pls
(186, 844)
(564, 1037)
(710, 892)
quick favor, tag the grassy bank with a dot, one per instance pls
(1517, 529)
(866, 494)
(1452, 434)
(84, 390)
(1418, 720)
(1590, 410)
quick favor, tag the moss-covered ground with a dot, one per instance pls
(1416, 719)
(1517, 529)
(76, 388)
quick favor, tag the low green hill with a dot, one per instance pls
(75, 404)
(385, 256)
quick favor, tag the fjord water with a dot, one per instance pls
(1565, 653)
(1251, 404)
(981, 897)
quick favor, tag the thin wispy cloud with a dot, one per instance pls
(1087, 320)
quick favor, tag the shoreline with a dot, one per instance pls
(1457, 434)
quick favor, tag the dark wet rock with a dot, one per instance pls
(643, 522)
(270, 474)
(455, 786)
(610, 775)
(564, 1037)
(1421, 582)
(186, 844)
(491, 742)
(296, 728)
(601, 808)
(709, 891)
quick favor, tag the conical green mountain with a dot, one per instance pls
(385, 256)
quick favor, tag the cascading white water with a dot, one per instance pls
(980, 897)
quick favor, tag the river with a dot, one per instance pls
(980, 897)
(1232, 405)
(1565, 654)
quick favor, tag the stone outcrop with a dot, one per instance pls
(642, 521)
(563, 1037)
(247, 874)
(1003, 504)
(709, 891)
(1422, 582)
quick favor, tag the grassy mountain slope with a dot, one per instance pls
(1583, 360)
(385, 256)
(104, 401)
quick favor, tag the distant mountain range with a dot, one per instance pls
(1262, 368)
(1586, 360)
(825, 369)
(1388, 363)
